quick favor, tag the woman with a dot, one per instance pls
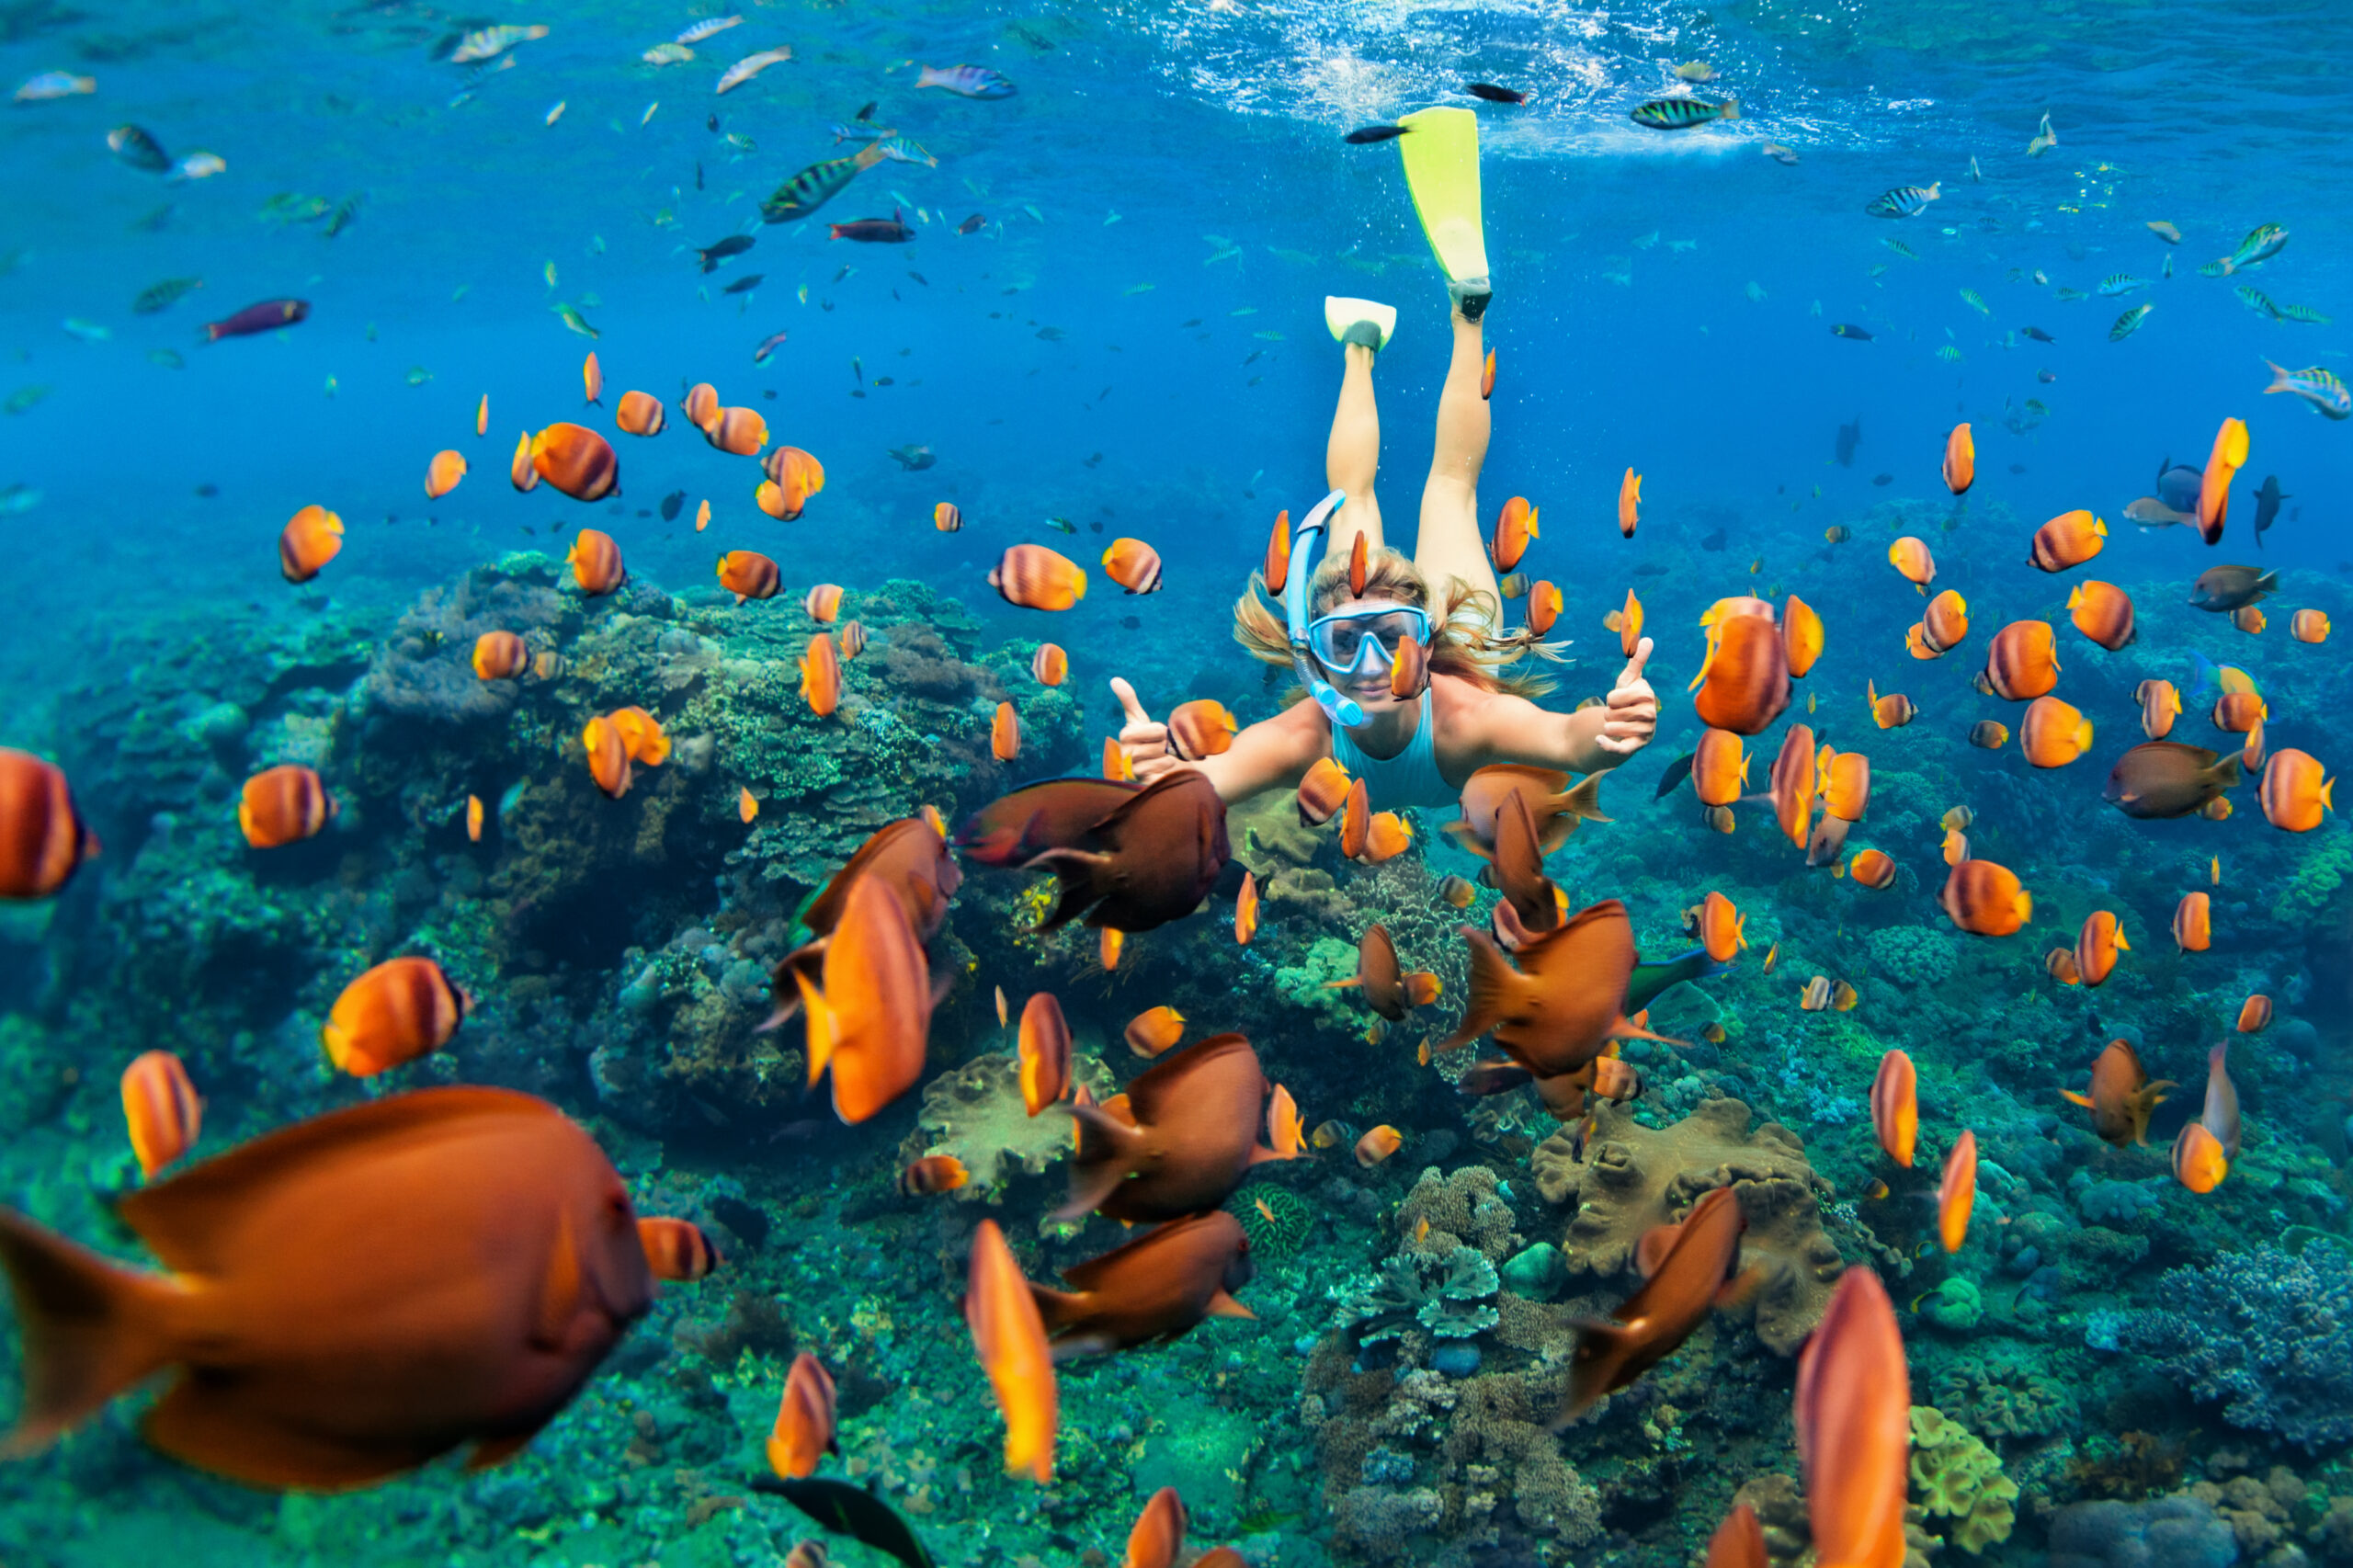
(1417, 752)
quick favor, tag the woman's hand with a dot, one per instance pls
(1145, 743)
(1631, 715)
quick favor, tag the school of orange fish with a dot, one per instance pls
(508, 1185)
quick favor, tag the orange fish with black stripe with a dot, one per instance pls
(283, 805)
(1895, 1106)
(1743, 684)
(2067, 540)
(2021, 662)
(804, 1433)
(500, 656)
(641, 413)
(2054, 734)
(596, 560)
(676, 1250)
(1514, 527)
(2103, 612)
(577, 460)
(1034, 577)
(311, 538)
(1985, 899)
(1945, 622)
(1961, 461)
(748, 575)
(396, 1012)
(821, 676)
(162, 1108)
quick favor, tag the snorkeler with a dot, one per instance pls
(1472, 711)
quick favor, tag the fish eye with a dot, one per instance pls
(617, 1212)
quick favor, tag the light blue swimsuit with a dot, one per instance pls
(1409, 778)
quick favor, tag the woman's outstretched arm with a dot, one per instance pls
(1499, 727)
(1273, 754)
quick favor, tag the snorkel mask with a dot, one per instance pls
(1351, 641)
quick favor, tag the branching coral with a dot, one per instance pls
(2267, 1332)
(1910, 956)
(1450, 1294)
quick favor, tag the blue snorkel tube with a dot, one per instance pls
(1341, 710)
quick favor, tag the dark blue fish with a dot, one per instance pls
(1849, 329)
(2267, 506)
(746, 284)
(1493, 93)
(1367, 135)
(1904, 202)
(2178, 484)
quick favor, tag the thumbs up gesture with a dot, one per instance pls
(1632, 708)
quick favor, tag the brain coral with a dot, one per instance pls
(1957, 1477)
(1910, 956)
(1631, 1177)
(1462, 1209)
(975, 1113)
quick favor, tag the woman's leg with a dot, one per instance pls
(1449, 543)
(1352, 455)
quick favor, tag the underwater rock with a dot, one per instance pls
(976, 1114)
(1632, 1178)
(2171, 1532)
(424, 670)
(1538, 1272)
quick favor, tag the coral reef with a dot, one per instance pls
(1627, 1179)
(1276, 1219)
(2004, 1396)
(1464, 1208)
(1447, 1293)
(975, 1113)
(1956, 1477)
(2268, 1332)
(2171, 1532)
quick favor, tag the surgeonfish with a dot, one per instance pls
(1156, 1287)
(2122, 1096)
(1691, 1272)
(1189, 1134)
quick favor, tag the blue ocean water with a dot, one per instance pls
(1131, 342)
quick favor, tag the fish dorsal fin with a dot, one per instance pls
(1652, 1250)
(184, 1219)
(559, 1291)
(1149, 1092)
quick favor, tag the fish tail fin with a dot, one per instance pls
(1487, 993)
(2269, 582)
(92, 1331)
(1108, 1149)
(2072, 1097)
(2226, 772)
(1626, 1028)
(1732, 108)
(2278, 379)
(1602, 1351)
(1584, 801)
(1056, 1308)
(820, 1027)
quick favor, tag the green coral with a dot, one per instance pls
(1307, 985)
(2007, 1398)
(1957, 1477)
(2320, 871)
(1447, 1293)
(1910, 956)
(1276, 1219)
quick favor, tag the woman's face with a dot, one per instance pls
(1368, 685)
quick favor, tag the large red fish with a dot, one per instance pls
(350, 1297)
(1155, 1288)
(1854, 1427)
(1694, 1269)
(1191, 1131)
(1126, 856)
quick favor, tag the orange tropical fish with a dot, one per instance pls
(2255, 1015)
(1916, 642)
(592, 378)
(1133, 564)
(481, 417)
(1802, 636)
(2103, 612)
(1277, 569)
(2214, 485)
(1629, 503)
(396, 1012)
(441, 475)
(162, 1110)
(1719, 768)
(641, 413)
(676, 1250)
(1487, 384)
(1739, 1542)
(1686, 1267)
(1515, 526)
(1245, 910)
(869, 1004)
(1844, 781)
(1814, 995)
(1744, 685)
(500, 656)
(1110, 942)
(2250, 757)
(804, 1433)
(1956, 1192)
(1945, 622)
(2054, 734)
(1854, 1427)
(1004, 733)
(1386, 836)
(522, 471)
(821, 676)
(1158, 1535)
(2294, 793)
(1043, 1050)
(1793, 781)
(738, 432)
(2160, 706)
(1034, 577)
(1355, 821)
(2097, 945)
(1201, 728)
(933, 1174)
(1985, 899)
(1156, 1030)
(1717, 925)
(1772, 957)
(1117, 765)
(283, 805)
(2250, 618)
(474, 812)
(1889, 713)
(2021, 662)
(748, 575)
(1009, 1336)
(1544, 606)
(596, 562)
(2067, 540)
(2199, 1161)
(2122, 1097)
(1378, 1144)
(577, 460)
(747, 806)
(1322, 791)
(609, 759)
(2238, 712)
(853, 639)
(1286, 1132)
(1359, 564)
(2309, 626)
(1961, 461)
(648, 743)
(1627, 623)
(701, 406)
(1050, 664)
(311, 538)
(1955, 846)
(2192, 923)
(1910, 556)
(823, 603)
(947, 517)
(1872, 869)
(1895, 1106)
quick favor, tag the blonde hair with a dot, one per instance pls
(1463, 641)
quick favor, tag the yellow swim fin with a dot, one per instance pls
(1441, 153)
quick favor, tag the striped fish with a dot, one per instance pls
(1681, 114)
(1970, 298)
(710, 27)
(2117, 283)
(489, 43)
(2261, 244)
(2304, 313)
(967, 81)
(817, 184)
(2316, 386)
(1904, 200)
(2129, 323)
(161, 295)
(2254, 299)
